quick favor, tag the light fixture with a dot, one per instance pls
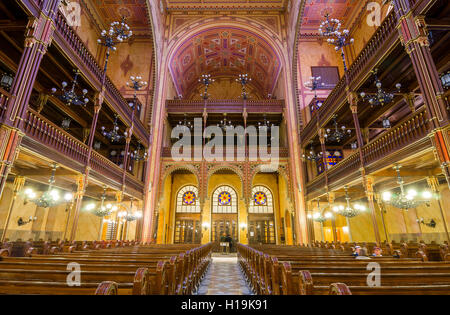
(71, 96)
(406, 199)
(243, 226)
(139, 154)
(349, 211)
(113, 135)
(185, 124)
(225, 124)
(431, 223)
(445, 79)
(136, 84)
(338, 134)
(354, 145)
(97, 145)
(244, 79)
(313, 84)
(22, 222)
(48, 199)
(205, 225)
(103, 210)
(381, 97)
(206, 81)
(117, 33)
(65, 124)
(265, 124)
(6, 81)
(312, 156)
(129, 214)
(386, 123)
(331, 28)
(317, 214)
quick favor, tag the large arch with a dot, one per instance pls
(280, 47)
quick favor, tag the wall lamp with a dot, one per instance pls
(206, 225)
(243, 226)
(21, 222)
(431, 224)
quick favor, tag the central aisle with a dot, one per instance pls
(224, 277)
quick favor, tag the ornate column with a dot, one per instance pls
(19, 182)
(414, 36)
(38, 37)
(81, 188)
(368, 183)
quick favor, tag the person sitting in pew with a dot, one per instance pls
(360, 253)
(377, 252)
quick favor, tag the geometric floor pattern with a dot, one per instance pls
(224, 277)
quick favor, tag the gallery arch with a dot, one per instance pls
(261, 219)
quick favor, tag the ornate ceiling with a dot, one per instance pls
(314, 11)
(226, 4)
(135, 12)
(225, 52)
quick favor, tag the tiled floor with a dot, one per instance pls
(224, 277)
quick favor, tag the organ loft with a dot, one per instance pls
(224, 147)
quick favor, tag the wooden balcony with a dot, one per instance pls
(49, 141)
(405, 139)
(224, 106)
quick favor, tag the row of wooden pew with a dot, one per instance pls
(431, 252)
(291, 270)
(105, 268)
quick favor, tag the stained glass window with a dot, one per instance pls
(187, 200)
(224, 200)
(262, 200)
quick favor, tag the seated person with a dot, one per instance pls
(377, 252)
(362, 254)
(356, 251)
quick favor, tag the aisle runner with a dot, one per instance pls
(224, 277)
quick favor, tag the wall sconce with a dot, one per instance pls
(6, 81)
(21, 222)
(243, 226)
(431, 224)
(205, 225)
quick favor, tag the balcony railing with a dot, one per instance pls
(282, 152)
(4, 96)
(51, 136)
(385, 35)
(225, 106)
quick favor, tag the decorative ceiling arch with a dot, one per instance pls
(225, 52)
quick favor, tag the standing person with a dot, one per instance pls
(230, 242)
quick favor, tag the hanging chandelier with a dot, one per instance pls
(225, 124)
(113, 135)
(406, 199)
(136, 84)
(349, 211)
(103, 210)
(317, 215)
(244, 80)
(185, 124)
(71, 96)
(117, 33)
(381, 97)
(129, 214)
(139, 154)
(206, 81)
(312, 156)
(265, 123)
(51, 197)
(313, 84)
(338, 134)
(331, 28)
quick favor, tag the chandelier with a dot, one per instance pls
(117, 33)
(185, 124)
(51, 197)
(136, 84)
(206, 81)
(338, 134)
(313, 84)
(130, 215)
(406, 199)
(348, 211)
(113, 135)
(265, 124)
(244, 80)
(331, 28)
(103, 210)
(312, 156)
(381, 97)
(225, 124)
(71, 96)
(139, 154)
(317, 215)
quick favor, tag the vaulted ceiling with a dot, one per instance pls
(315, 10)
(226, 4)
(225, 52)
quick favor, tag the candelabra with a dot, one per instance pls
(185, 124)
(313, 85)
(265, 124)
(244, 80)
(338, 134)
(348, 211)
(312, 156)
(136, 84)
(113, 135)
(139, 154)
(381, 97)
(331, 28)
(406, 200)
(225, 124)
(206, 81)
(71, 96)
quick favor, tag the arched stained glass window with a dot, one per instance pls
(262, 200)
(224, 200)
(187, 200)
